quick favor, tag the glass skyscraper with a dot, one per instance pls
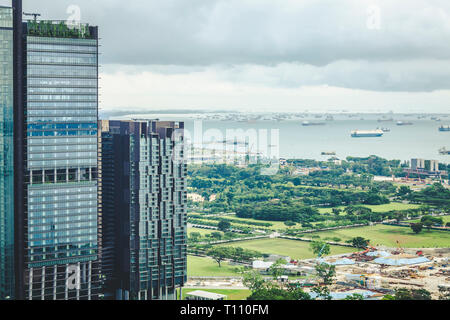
(6, 155)
(53, 221)
(61, 109)
(144, 209)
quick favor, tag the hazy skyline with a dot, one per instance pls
(260, 55)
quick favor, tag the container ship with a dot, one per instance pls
(367, 133)
(444, 128)
(307, 123)
(402, 123)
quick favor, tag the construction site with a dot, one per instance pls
(380, 271)
(372, 273)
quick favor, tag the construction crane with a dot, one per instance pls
(35, 15)
(399, 248)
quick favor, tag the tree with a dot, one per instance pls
(273, 292)
(224, 225)
(276, 269)
(322, 292)
(355, 296)
(216, 235)
(444, 293)
(326, 272)
(195, 236)
(336, 211)
(399, 216)
(219, 254)
(360, 242)
(269, 290)
(413, 294)
(417, 227)
(320, 248)
(404, 190)
(290, 223)
(253, 280)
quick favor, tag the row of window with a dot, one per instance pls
(62, 105)
(80, 147)
(71, 219)
(63, 241)
(62, 141)
(62, 133)
(57, 82)
(61, 163)
(61, 226)
(74, 205)
(63, 90)
(46, 126)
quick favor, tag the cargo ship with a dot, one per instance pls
(328, 153)
(367, 133)
(307, 123)
(444, 128)
(385, 120)
(402, 123)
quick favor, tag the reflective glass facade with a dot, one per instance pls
(144, 209)
(61, 130)
(6, 156)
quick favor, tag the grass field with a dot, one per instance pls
(206, 267)
(388, 235)
(380, 208)
(203, 232)
(292, 248)
(232, 294)
(276, 225)
(444, 218)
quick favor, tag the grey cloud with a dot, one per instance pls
(204, 32)
(286, 43)
(411, 75)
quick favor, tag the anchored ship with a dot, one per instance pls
(401, 123)
(444, 151)
(328, 153)
(367, 133)
(444, 128)
(307, 123)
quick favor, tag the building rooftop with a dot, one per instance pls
(206, 295)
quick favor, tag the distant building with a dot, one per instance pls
(432, 165)
(144, 209)
(421, 167)
(204, 295)
(417, 164)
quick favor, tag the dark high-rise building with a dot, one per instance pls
(143, 196)
(49, 221)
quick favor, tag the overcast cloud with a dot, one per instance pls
(270, 44)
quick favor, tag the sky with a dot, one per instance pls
(268, 55)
